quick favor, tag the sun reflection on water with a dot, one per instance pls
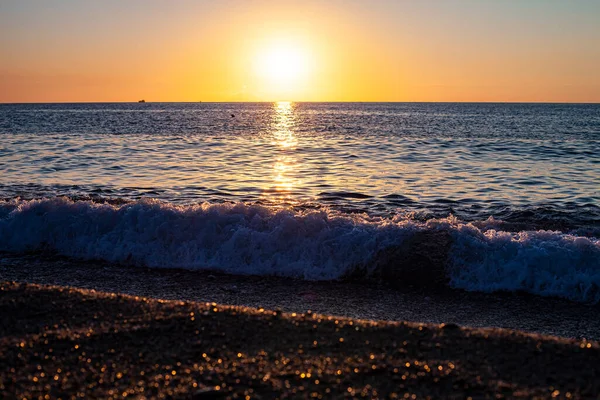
(285, 164)
(283, 124)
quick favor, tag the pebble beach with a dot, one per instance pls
(69, 343)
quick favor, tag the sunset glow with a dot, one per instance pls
(235, 50)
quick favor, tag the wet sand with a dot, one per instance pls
(365, 301)
(70, 342)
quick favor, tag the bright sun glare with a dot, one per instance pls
(282, 65)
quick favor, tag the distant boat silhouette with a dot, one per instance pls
(141, 101)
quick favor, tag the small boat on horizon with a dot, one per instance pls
(141, 101)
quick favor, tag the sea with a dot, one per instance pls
(311, 191)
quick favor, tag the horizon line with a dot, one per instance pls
(292, 101)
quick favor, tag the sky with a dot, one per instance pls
(264, 50)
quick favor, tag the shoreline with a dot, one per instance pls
(63, 341)
(516, 311)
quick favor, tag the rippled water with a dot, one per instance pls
(519, 161)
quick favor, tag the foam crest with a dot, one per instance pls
(235, 238)
(542, 262)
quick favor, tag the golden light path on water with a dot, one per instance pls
(285, 162)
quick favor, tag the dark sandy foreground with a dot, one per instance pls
(71, 342)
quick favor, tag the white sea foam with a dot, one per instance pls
(245, 239)
(541, 262)
(234, 238)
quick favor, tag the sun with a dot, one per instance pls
(282, 65)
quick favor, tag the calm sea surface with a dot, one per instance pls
(513, 161)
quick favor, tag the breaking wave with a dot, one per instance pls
(315, 245)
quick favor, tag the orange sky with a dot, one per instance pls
(538, 50)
